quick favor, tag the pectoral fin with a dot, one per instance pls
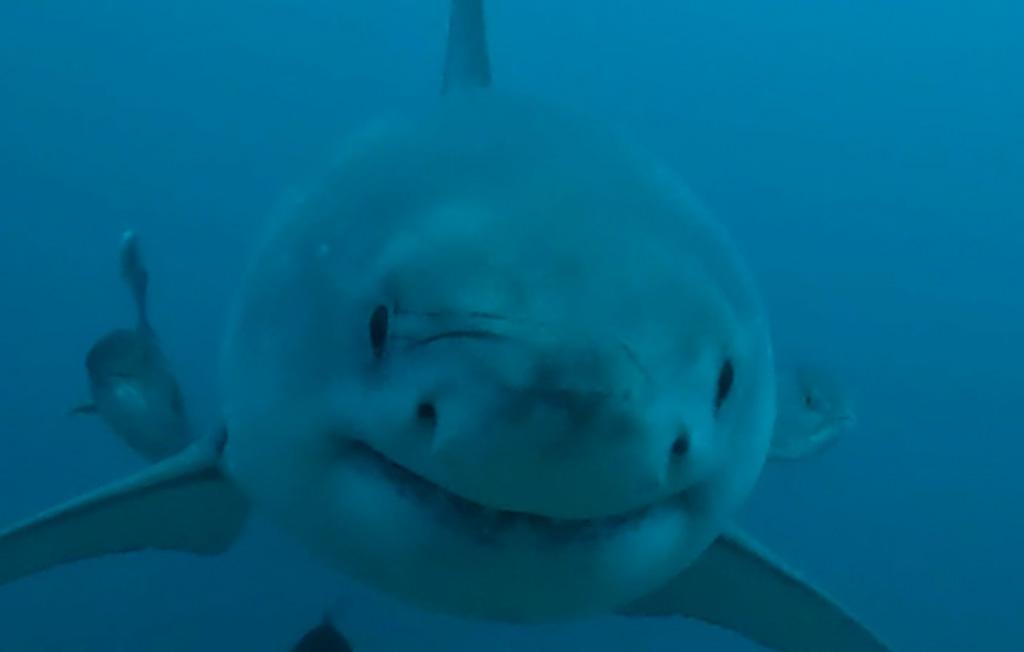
(813, 411)
(738, 586)
(184, 503)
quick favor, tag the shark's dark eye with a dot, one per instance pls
(379, 330)
(725, 378)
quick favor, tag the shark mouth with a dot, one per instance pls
(489, 524)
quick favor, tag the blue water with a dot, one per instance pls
(867, 157)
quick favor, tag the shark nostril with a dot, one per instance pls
(427, 413)
(681, 445)
(378, 330)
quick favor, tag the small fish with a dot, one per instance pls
(813, 410)
(325, 637)
(133, 389)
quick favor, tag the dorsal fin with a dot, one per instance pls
(466, 63)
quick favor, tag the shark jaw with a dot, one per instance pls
(396, 530)
(488, 524)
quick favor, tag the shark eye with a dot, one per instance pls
(725, 378)
(378, 330)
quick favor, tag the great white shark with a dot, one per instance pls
(500, 364)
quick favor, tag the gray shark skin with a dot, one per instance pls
(498, 364)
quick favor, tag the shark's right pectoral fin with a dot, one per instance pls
(739, 586)
(184, 503)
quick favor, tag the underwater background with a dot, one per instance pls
(867, 157)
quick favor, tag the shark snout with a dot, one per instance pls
(541, 424)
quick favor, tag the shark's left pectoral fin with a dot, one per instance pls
(184, 503)
(737, 585)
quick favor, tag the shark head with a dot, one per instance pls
(500, 364)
